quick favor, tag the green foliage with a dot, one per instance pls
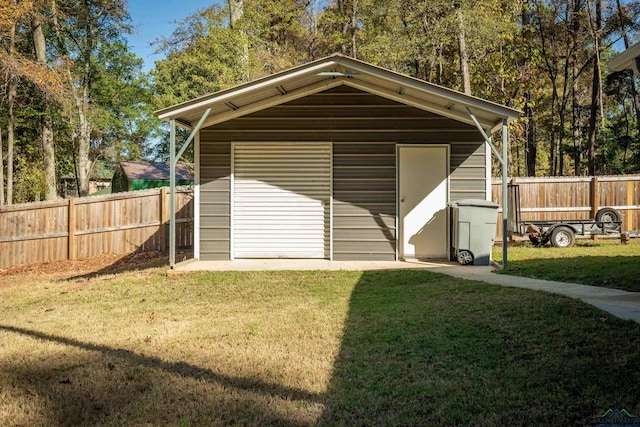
(123, 117)
(528, 54)
(29, 185)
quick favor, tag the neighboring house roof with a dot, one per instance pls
(630, 58)
(323, 74)
(157, 171)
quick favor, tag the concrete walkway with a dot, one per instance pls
(623, 304)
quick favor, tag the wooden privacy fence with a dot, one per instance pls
(562, 198)
(90, 226)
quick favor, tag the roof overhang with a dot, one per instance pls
(630, 58)
(330, 72)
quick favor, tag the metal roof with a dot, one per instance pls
(326, 73)
(155, 171)
(630, 58)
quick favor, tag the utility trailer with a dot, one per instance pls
(561, 233)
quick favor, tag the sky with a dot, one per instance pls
(155, 18)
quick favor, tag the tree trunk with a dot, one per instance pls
(462, 48)
(84, 134)
(81, 100)
(46, 125)
(575, 110)
(531, 149)
(345, 26)
(575, 105)
(354, 27)
(1, 172)
(595, 92)
(13, 87)
(236, 12)
(552, 138)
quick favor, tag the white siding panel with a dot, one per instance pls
(282, 196)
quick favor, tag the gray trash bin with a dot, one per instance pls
(473, 230)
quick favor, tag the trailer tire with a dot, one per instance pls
(465, 257)
(562, 237)
(607, 215)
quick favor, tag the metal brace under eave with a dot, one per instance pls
(503, 161)
(486, 137)
(173, 161)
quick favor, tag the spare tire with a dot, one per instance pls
(607, 215)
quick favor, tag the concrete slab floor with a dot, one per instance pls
(305, 265)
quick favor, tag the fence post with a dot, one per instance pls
(629, 212)
(512, 208)
(71, 239)
(595, 200)
(164, 217)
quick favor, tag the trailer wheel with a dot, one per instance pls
(465, 257)
(607, 215)
(562, 237)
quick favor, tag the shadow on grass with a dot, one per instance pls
(136, 261)
(417, 349)
(87, 405)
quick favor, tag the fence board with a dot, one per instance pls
(90, 226)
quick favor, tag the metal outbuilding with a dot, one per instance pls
(628, 59)
(335, 159)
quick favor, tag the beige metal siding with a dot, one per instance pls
(215, 190)
(281, 200)
(467, 172)
(364, 192)
(359, 125)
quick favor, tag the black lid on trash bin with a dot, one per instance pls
(475, 202)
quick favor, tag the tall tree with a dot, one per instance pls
(80, 28)
(122, 117)
(1, 171)
(531, 148)
(46, 123)
(462, 50)
(12, 87)
(595, 88)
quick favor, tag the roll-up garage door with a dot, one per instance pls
(281, 200)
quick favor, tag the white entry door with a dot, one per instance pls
(422, 201)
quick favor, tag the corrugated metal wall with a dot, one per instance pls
(215, 193)
(364, 201)
(364, 129)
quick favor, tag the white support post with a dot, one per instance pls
(173, 162)
(196, 198)
(172, 194)
(503, 161)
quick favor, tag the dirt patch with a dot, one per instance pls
(103, 264)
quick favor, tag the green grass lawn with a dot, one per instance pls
(606, 263)
(306, 348)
